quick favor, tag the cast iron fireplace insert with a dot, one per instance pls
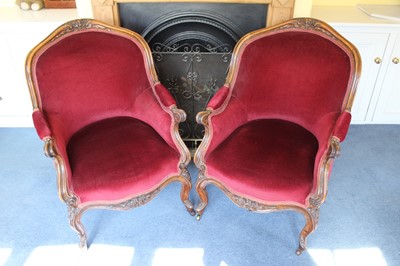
(191, 45)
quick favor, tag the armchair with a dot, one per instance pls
(273, 130)
(109, 125)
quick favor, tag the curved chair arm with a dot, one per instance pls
(219, 98)
(179, 116)
(218, 126)
(41, 125)
(342, 125)
(57, 151)
(156, 107)
(323, 166)
(327, 152)
(164, 97)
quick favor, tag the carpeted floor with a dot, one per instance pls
(359, 223)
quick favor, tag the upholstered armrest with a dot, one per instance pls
(219, 98)
(329, 148)
(160, 112)
(41, 125)
(56, 149)
(221, 124)
(342, 126)
(164, 97)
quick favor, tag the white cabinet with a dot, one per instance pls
(372, 49)
(378, 95)
(377, 99)
(388, 103)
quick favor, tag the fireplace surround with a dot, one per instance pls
(192, 41)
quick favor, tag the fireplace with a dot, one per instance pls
(192, 43)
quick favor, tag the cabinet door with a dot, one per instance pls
(15, 105)
(372, 48)
(388, 106)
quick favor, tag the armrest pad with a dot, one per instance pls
(218, 99)
(164, 96)
(342, 126)
(41, 125)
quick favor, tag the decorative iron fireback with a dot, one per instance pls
(192, 50)
(192, 45)
(201, 72)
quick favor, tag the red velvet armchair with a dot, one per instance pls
(109, 124)
(273, 130)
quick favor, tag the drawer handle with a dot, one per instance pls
(377, 60)
(395, 60)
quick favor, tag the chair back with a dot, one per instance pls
(86, 71)
(299, 71)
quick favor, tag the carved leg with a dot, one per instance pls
(186, 187)
(74, 215)
(312, 217)
(202, 192)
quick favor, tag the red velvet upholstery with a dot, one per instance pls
(342, 126)
(111, 127)
(165, 97)
(94, 76)
(254, 161)
(287, 79)
(287, 84)
(115, 67)
(115, 158)
(273, 129)
(41, 125)
(218, 99)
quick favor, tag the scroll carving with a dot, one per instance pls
(318, 197)
(135, 202)
(179, 114)
(79, 25)
(202, 117)
(48, 148)
(308, 24)
(251, 205)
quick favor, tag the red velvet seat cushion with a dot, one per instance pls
(268, 159)
(118, 157)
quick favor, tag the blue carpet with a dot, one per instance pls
(359, 223)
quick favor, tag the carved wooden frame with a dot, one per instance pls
(74, 206)
(278, 10)
(316, 198)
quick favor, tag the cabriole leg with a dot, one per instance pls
(202, 192)
(186, 181)
(186, 187)
(312, 217)
(75, 223)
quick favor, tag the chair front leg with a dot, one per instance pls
(74, 216)
(312, 217)
(186, 187)
(202, 192)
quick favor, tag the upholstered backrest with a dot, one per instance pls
(87, 72)
(298, 72)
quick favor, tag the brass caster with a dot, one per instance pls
(198, 217)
